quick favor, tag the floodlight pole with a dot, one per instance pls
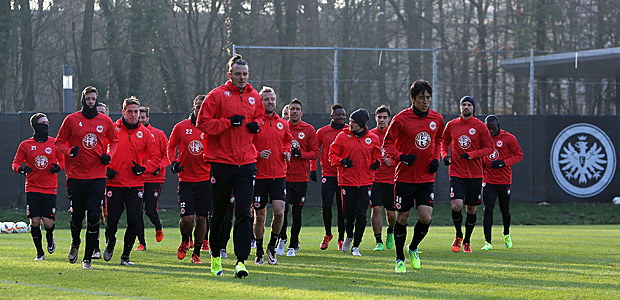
(335, 75)
(435, 78)
(67, 87)
(531, 81)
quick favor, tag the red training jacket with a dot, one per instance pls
(274, 135)
(364, 151)
(385, 174)
(507, 149)
(39, 157)
(304, 139)
(227, 144)
(161, 142)
(94, 137)
(190, 141)
(466, 136)
(326, 136)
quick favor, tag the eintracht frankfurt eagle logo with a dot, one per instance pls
(464, 142)
(583, 160)
(422, 140)
(89, 141)
(40, 162)
(195, 147)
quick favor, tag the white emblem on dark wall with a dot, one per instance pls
(583, 160)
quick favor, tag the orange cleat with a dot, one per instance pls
(466, 248)
(325, 242)
(340, 242)
(140, 248)
(196, 259)
(183, 247)
(205, 245)
(456, 245)
(159, 235)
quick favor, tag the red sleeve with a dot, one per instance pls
(19, 158)
(152, 153)
(172, 144)
(515, 149)
(376, 152)
(335, 151)
(60, 158)
(288, 140)
(208, 120)
(313, 145)
(61, 142)
(390, 138)
(486, 145)
(438, 141)
(446, 141)
(162, 143)
(112, 140)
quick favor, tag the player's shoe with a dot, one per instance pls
(253, 244)
(40, 257)
(96, 254)
(290, 252)
(415, 258)
(281, 247)
(379, 247)
(326, 240)
(340, 242)
(196, 259)
(272, 259)
(182, 250)
(355, 251)
(240, 270)
(347, 244)
(467, 248)
(86, 265)
(73, 252)
(51, 247)
(508, 241)
(389, 240)
(190, 244)
(223, 253)
(159, 235)
(400, 266)
(205, 245)
(125, 261)
(487, 246)
(259, 259)
(140, 248)
(216, 266)
(108, 251)
(456, 245)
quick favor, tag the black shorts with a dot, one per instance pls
(382, 195)
(267, 190)
(467, 189)
(296, 193)
(491, 192)
(409, 195)
(40, 205)
(194, 198)
(86, 195)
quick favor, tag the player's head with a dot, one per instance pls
(383, 115)
(468, 106)
(89, 97)
(131, 109)
(269, 99)
(358, 120)
(295, 111)
(144, 116)
(338, 114)
(285, 113)
(103, 109)
(421, 94)
(197, 104)
(238, 71)
(40, 125)
(492, 124)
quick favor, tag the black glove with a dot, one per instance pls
(375, 166)
(253, 127)
(446, 160)
(74, 151)
(105, 159)
(24, 170)
(110, 173)
(313, 175)
(434, 166)
(296, 152)
(236, 120)
(498, 164)
(156, 171)
(347, 162)
(408, 159)
(466, 156)
(55, 168)
(137, 169)
(176, 167)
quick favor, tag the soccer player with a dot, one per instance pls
(273, 144)
(329, 182)
(229, 117)
(471, 142)
(285, 114)
(88, 141)
(305, 147)
(414, 140)
(153, 183)
(41, 161)
(125, 184)
(356, 153)
(103, 109)
(194, 185)
(498, 178)
(383, 187)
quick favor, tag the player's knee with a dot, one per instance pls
(75, 225)
(36, 221)
(93, 227)
(425, 219)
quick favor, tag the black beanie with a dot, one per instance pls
(471, 100)
(361, 117)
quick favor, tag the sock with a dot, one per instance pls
(35, 232)
(126, 251)
(75, 234)
(259, 246)
(273, 240)
(390, 229)
(400, 235)
(378, 238)
(92, 232)
(419, 232)
(197, 247)
(185, 237)
(49, 234)
(470, 223)
(457, 218)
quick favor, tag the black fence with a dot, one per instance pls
(566, 159)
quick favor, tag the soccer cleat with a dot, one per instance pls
(51, 247)
(355, 251)
(182, 250)
(325, 242)
(140, 248)
(415, 258)
(467, 248)
(508, 241)
(389, 240)
(96, 254)
(253, 244)
(487, 246)
(223, 253)
(379, 247)
(400, 267)
(260, 259)
(290, 252)
(159, 235)
(281, 247)
(240, 270)
(40, 257)
(108, 251)
(86, 265)
(216, 266)
(347, 244)
(73, 252)
(190, 244)
(205, 245)
(340, 242)
(272, 259)
(125, 261)
(196, 259)
(456, 245)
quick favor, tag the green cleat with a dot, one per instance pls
(379, 247)
(216, 266)
(415, 258)
(400, 267)
(389, 240)
(240, 270)
(487, 246)
(508, 241)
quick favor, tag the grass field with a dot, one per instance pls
(546, 262)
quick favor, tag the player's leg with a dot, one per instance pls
(327, 199)
(76, 190)
(187, 200)
(472, 200)
(424, 198)
(48, 218)
(34, 203)
(152, 192)
(376, 218)
(403, 201)
(348, 207)
(340, 214)
(202, 206)
(362, 201)
(133, 204)
(115, 206)
(261, 196)
(504, 208)
(140, 225)
(489, 196)
(221, 191)
(457, 194)
(283, 237)
(243, 188)
(297, 205)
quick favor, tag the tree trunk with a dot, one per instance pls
(5, 48)
(27, 55)
(114, 54)
(137, 41)
(290, 37)
(86, 73)
(313, 62)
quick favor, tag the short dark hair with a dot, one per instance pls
(337, 106)
(200, 98)
(131, 100)
(295, 101)
(383, 108)
(266, 89)
(144, 109)
(420, 86)
(90, 89)
(236, 60)
(35, 118)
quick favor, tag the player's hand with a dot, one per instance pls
(347, 162)
(236, 120)
(375, 166)
(296, 152)
(137, 169)
(265, 154)
(156, 171)
(110, 173)
(253, 127)
(105, 158)
(287, 156)
(446, 160)
(498, 164)
(24, 170)
(434, 166)
(408, 159)
(466, 156)
(176, 167)
(55, 168)
(74, 151)
(387, 161)
(313, 175)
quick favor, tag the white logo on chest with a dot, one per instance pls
(139, 134)
(432, 125)
(48, 150)
(280, 125)
(99, 128)
(472, 131)
(40, 162)
(301, 135)
(464, 142)
(89, 141)
(423, 140)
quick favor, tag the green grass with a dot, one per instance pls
(546, 262)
